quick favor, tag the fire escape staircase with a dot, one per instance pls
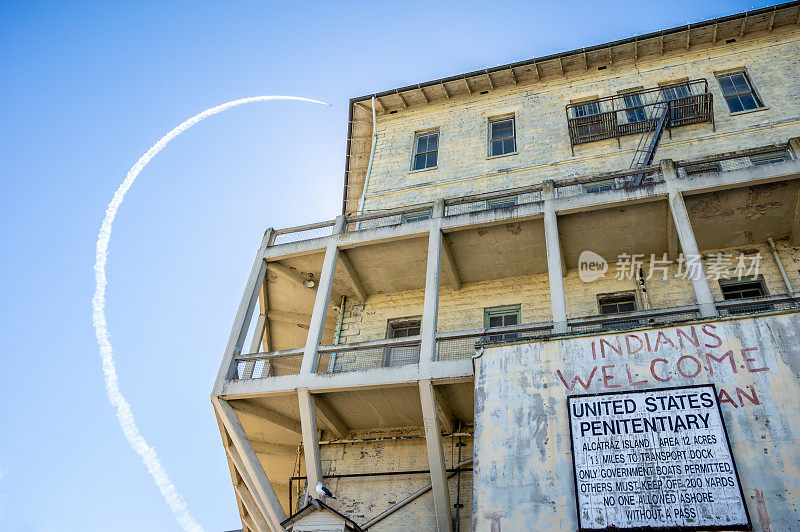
(648, 142)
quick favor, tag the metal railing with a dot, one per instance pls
(632, 320)
(368, 355)
(302, 232)
(463, 344)
(630, 113)
(757, 305)
(733, 161)
(274, 364)
(389, 217)
(492, 200)
(627, 179)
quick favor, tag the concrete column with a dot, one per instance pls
(794, 147)
(242, 321)
(555, 266)
(430, 309)
(308, 422)
(316, 326)
(433, 439)
(249, 467)
(683, 226)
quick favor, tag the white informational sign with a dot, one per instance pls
(654, 458)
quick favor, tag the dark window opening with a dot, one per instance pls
(502, 137)
(402, 354)
(738, 92)
(733, 289)
(426, 151)
(610, 304)
(502, 317)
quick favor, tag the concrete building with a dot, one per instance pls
(620, 218)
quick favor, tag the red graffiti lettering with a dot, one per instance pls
(748, 359)
(741, 395)
(686, 375)
(710, 357)
(653, 369)
(691, 339)
(630, 378)
(666, 340)
(723, 397)
(577, 380)
(711, 334)
(628, 343)
(607, 378)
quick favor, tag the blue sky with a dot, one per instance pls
(86, 88)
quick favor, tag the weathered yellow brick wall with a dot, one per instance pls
(772, 62)
(364, 498)
(464, 309)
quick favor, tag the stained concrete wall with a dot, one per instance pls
(772, 62)
(523, 464)
(364, 498)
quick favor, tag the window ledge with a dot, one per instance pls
(737, 113)
(501, 156)
(424, 169)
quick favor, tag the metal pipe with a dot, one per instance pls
(780, 266)
(643, 287)
(458, 504)
(371, 158)
(337, 334)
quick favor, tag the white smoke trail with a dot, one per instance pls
(115, 397)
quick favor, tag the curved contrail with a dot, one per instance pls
(123, 408)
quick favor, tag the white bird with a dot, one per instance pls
(322, 491)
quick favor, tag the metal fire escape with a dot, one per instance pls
(648, 142)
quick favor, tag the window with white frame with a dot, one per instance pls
(426, 150)
(738, 92)
(502, 138)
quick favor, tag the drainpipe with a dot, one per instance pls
(780, 266)
(371, 157)
(643, 288)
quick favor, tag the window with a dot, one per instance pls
(676, 92)
(736, 289)
(634, 111)
(769, 158)
(616, 303)
(733, 289)
(587, 109)
(426, 150)
(702, 168)
(738, 92)
(402, 354)
(502, 317)
(501, 137)
(415, 216)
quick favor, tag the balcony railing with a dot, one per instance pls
(633, 113)
(757, 305)
(734, 161)
(461, 345)
(492, 200)
(274, 364)
(302, 232)
(368, 355)
(627, 179)
(411, 213)
(632, 320)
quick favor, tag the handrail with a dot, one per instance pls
(761, 300)
(457, 200)
(581, 180)
(390, 212)
(491, 331)
(388, 342)
(269, 355)
(298, 228)
(735, 155)
(659, 89)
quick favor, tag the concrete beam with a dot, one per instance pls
(262, 447)
(270, 416)
(673, 247)
(290, 274)
(433, 440)
(683, 226)
(308, 417)
(330, 418)
(248, 524)
(450, 268)
(443, 411)
(352, 275)
(257, 521)
(555, 272)
(318, 316)
(430, 306)
(246, 461)
(241, 323)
